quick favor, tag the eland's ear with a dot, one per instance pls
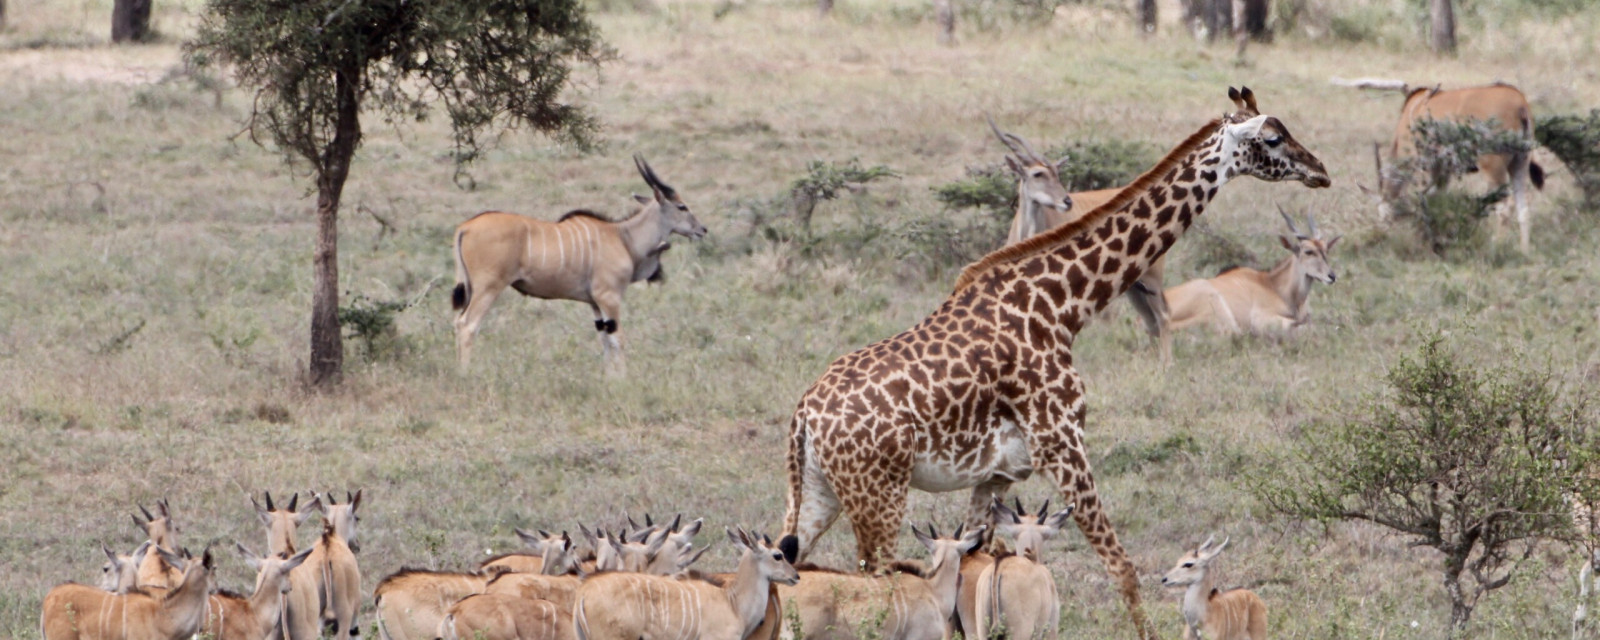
(161, 507)
(924, 538)
(1059, 519)
(736, 538)
(1015, 166)
(262, 512)
(1247, 129)
(642, 199)
(1213, 551)
(534, 542)
(295, 560)
(140, 552)
(1288, 243)
(973, 538)
(110, 555)
(692, 529)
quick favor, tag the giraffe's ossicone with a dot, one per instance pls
(982, 393)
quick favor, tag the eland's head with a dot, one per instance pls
(1310, 249)
(1038, 179)
(674, 212)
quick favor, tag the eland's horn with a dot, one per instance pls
(1018, 501)
(268, 495)
(959, 529)
(1044, 510)
(1289, 221)
(1311, 220)
(146, 513)
(294, 499)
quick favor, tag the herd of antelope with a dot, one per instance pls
(988, 375)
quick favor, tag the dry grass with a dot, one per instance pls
(124, 202)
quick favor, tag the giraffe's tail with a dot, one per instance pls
(789, 544)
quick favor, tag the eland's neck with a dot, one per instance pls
(946, 583)
(1291, 284)
(1195, 601)
(747, 593)
(644, 231)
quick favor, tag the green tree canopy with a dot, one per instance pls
(317, 65)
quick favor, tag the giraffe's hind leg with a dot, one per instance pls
(818, 508)
(872, 488)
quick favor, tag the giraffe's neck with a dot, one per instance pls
(1107, 257)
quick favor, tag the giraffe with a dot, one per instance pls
(982, 392)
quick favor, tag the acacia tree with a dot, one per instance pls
(317, 65)
(1475, 462)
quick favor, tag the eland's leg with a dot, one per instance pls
(466, 323)
(607, 307)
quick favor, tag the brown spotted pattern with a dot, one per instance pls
(982, 393)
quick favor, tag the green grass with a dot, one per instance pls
(124, 203)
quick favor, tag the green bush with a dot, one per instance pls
(1469, 457)
(988, 188)
(373, 322)
(1445, 150)
(824, 181)
(1576, 141)
(1095, 165)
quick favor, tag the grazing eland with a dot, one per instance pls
(1244, 300)
(582, 256)
(1209, 613)
(1502, 105)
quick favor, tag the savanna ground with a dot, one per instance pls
(156, 288)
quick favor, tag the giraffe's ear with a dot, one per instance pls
(1247, 129)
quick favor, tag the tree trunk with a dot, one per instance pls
(1250, 18)
(1220, 19)
(1147, 16)
(2, 14)
(824, 7)
(130, 20)
(1460, 609)
(1444, 26)
(947, 21)
(327, 344)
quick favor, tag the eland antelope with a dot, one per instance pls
(120, 573)
(543, 548)
(910, 603)
(521, 606)
(1586, 524)
(1017, 593)
(1502, 105)
(230, 616)
(1044, 204)
(410, 603)
(582, 256)
(162, 532)
(627, 606)
(326, 588)
(1209, 613)
(80, 612)
(1241, 299)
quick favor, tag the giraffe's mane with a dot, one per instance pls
(1070, 230)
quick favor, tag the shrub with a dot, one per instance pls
(373, 322)
(1102, 164)
(1576, 141)
(989, 188)
(824, 181)
(1471, 460)
(1446, 150)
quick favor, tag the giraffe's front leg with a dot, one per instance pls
(1056, 439)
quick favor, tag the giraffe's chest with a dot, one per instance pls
(959, 463)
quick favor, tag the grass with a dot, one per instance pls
(126, 204)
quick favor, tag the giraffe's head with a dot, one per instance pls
(1038, 179)
(1261, 146)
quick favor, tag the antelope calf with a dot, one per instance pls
(1236, 614)
(624, 606)
(231, 616)
(542, 547)
(1016, 592)
(1247, 300)
(1044, 204)
(1500, 104)
(910, 604)
(582, 257)
(161, 531)
(80, 612)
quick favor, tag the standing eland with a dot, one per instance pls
(582, 256)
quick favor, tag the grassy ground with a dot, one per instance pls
(156, 291)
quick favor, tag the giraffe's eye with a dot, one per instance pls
(1274, 141)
